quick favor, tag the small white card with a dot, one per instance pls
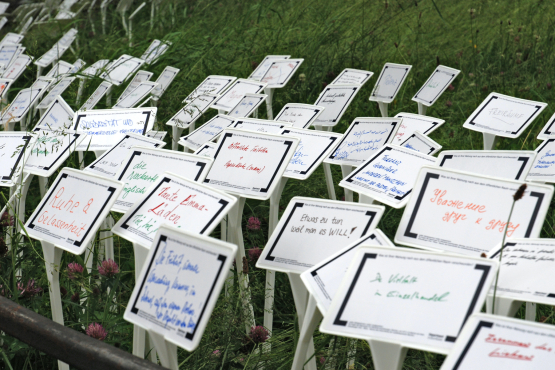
(390, 81)
(415, 122)
(335, 99)
(98, 94)
(155, 51)
(121, 69)
(362, 139)
(507, 164)
(310, 230)
(467, 214)
(263, 67)
(175, 201)
(95, 68)
(136, 96)
(313, 147)
(144, 166)
(15, 148)
(350, 76)
(436, 84)
(72, 210)
(418, 299)
(110, 163)
(250, 164)
(192, 111)
(299, 115)
(421, 143)
(247, 105)
(164, 80)
(58, 115)
(260, 125)
(21, 104)
(504, 115)
(207, 150)
(140, 76)
(280, 72)
(231, 97)
(197, 267)
(211, 85)
(17, 67)
(56, 90)
(207, 132)
(389, 175)
(543, 166)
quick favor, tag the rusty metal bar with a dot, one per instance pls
(65, 344)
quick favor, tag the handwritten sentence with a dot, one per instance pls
(404, 279)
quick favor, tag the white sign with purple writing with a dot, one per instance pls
(350, 76)
(436, 84)
(58, 115)
(335, 99)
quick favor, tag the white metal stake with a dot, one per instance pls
(311, 320)
(327, 168)
(109, 98)
(383, 108)
(42, 186)
(167, 352)
(270, 93)
(422, 109)
(346, 171)
(139, 333)
(176, 134)
(80, 90)
(503, 306)
(103, 7)
(489, 141)
(387, 355)
(365, 199)
(530, 311)
(301, 296)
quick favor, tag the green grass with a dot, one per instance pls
(503, 46)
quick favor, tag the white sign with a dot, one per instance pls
(3, 22)
(415, 122)
(5, 84)
(109, 163)
(421, 143)
(263, 67)
(313, 147)
(260, 125)
(247, 105)
(121, 69)
(155, 51)
(139, 77)
(207, 132)
(93, 69)
(388, 175)
(59, 69)
(299, 115)
(390, 81)
(160, 135)
(108, 126)
(42, 83)
(418, 299)
(176, 201)
(504, 115)
(72, 210)
(350, 76)
(137, 95)
(231, 97)
(144, 166)
(7, 53)
(250, 164)
(4, 7)
(164, 80)
(51, 149)
(280, 72)
(192, 111)
(20, 105)
(207, 150)
(335, 99)
(14, 149)
(58, 49)
(197, 267)
(321, 227)
(362, 139)
(494, 342)
(544, 163)
(506, 164)
(438, 82)
(12, 38)
(100, 91)
(465, 213)
(211, 85)
(17, 67)
(77, 65)
(58, 115)
(323, 280)
(56, 91)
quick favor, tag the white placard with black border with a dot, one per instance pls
(465, 213)
(247, 105)
(94, 68)
(109, 163)
(335, 99)
(263, 67)
(137, 95)
(313, 147)
(192, 111)
(72, 210)
(362, 139)
(58, 115)
(17, 67)
(15, 148)
(506, 164)
(207, 132)
(250, 164)
(207, 150)
(143, 166)
(504, 115)
(231, 97)
(56, 91)
(175, 201)
(436, 84)
(323, 280)
(415, 122)
(389, 175)
(155, 51)
(105, 127)
(198, 266)
(389, 82)
(259, 125)
(21, 104)
(440, 291)
(421, 143)
(51, 149)
(160, 135)
(121, 69)
(140, 76)
(98, 94)
(12, 38)
(280, 72)
(213, 84)
(7, 53)
(543, 166)
(299, 115)
(59, 69)
(350, 76)
(322, 227)
(164, 80)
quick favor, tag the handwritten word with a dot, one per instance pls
(493, 339)
(501, 226)
(514, 355)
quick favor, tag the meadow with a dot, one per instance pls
(502, 46)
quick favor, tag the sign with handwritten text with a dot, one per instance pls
(58, 115)
(299, 115)
(15, 147)
(211, 85)
(507, 164)
(421, 143)
(164, 80)
(259, 125)
(323, 280)
(176, 201)
(439, 291)
(311, 151)
(280, 72)
(155, 50)
(140, 77)
(321, 227)
(144, 166)
(389, 82)
(466, 213)
(17, 67)
(120, 69)
(263, 67)
(95, 97)
(504, 115)
(415, 122)
(106, 127)
(192, 111)
(207, 150)
(137, 95)
(350, 76)
(179, 285)
(388, 176)
(109, 163)
(495, 342)
(56, 91)
(72, 210)
(362, 139)
(231, 97)
(12, 38)
(247, 105)
(159, 135)
(436, 84)
(543, 166)
(21, 104)
(335, 99)
(207, 132)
